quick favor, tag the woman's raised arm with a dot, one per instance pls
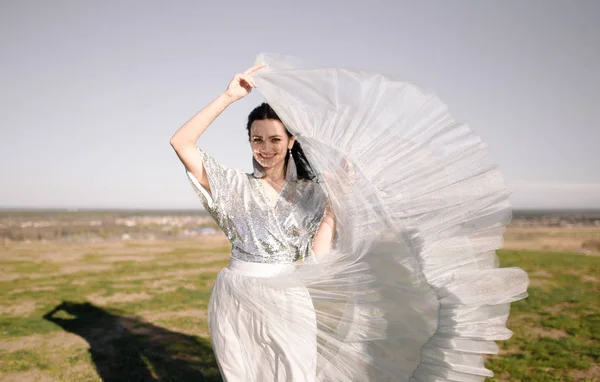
(184, 140)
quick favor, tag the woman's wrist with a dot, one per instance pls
(227, 98)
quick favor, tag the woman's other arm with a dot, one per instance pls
(325, 233)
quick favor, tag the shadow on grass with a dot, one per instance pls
(129, 349)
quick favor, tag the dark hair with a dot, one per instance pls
(264, 111)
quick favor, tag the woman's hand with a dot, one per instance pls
(242, 83)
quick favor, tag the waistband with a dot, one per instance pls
(259, 269)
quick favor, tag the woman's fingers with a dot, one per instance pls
(255, 68)
(242, 83)
(246, 75)
(249, 80)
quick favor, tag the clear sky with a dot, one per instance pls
(91, 91)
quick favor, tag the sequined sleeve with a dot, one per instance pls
(219, 177)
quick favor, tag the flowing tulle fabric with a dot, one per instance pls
(411, 290)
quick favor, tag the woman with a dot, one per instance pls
(273, 218)
(398, 279)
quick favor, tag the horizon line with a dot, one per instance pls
(74, 209)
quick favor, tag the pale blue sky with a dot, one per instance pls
(91, 91)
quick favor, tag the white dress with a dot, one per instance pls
(262, 332)
(411, 290)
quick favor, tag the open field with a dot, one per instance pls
(557, 239)
(136, 311)
(557, 328)
(107, 312)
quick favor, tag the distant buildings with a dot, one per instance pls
(94, 226)
(87, 226)
(559, 219)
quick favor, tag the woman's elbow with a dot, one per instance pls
(178, 143)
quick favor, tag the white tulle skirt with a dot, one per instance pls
(261, 332)
(411, 290)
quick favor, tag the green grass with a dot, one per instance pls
(144, 320)
(135, 320)
(557, 328)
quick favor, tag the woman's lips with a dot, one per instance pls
(266, 157)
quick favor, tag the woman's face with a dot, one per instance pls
(270, 142)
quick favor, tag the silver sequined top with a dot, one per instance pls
(259, 231)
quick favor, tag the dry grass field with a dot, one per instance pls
(136, 311)
(107, 312)
(584, 240)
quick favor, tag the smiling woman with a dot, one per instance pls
(363, 242)
(274, 218)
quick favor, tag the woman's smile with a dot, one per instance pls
(267, 156)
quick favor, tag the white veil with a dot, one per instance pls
(412, 290)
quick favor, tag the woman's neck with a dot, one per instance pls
(275, 174)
